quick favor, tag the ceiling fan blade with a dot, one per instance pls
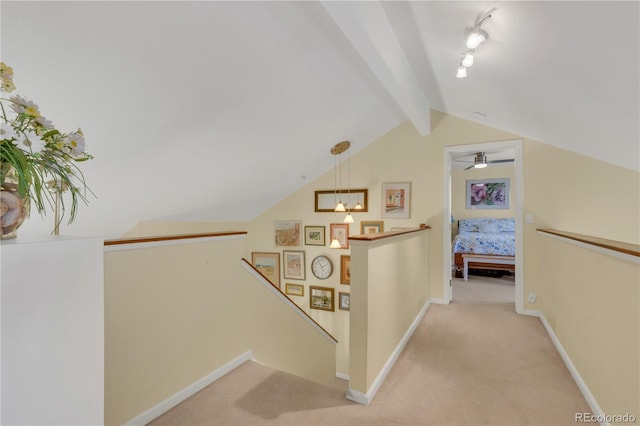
(507, 160)
(470, 167)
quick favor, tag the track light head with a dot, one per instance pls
(475, 37)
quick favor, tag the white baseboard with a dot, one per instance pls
(366, 398)
(530, 312)
(177, 398)
(591, 400)
(343, 376)
(439, 301)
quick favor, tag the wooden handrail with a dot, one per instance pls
(618, 246)
(388, 234)
(171, 237)
(290, 301)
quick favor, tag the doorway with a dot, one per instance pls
(454, 153)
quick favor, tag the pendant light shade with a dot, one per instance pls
(335, 244)
(348, 218)
(340, 207)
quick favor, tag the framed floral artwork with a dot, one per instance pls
(488, 193)
(268, 264)
(293, 264)
(396, 200)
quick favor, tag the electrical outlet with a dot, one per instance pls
(531, 298)
(528, 218)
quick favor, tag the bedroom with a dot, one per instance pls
(483, 223)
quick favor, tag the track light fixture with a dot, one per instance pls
(475, 36)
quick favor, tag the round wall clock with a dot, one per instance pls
(322, 267)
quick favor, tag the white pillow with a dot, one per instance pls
(488, 227)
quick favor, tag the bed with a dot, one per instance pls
(485, 236)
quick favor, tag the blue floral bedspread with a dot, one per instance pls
(495, 243)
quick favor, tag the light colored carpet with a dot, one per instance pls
(473, 362)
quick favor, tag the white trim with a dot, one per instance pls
(598, 249)
(529, 312)
(342, 376)
(591, 400)
(177, 398)
(366, 398)
(288, 301)
(439, 301)
(165, 243)
(517, 199)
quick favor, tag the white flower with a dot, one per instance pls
(6, 78)
(23, 106)
(42, 121)
(31, 142)
(76, 142)
(7, 131)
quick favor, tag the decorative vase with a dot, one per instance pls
(13, 208)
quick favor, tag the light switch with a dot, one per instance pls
(528, 218)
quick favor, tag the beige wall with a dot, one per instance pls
(389, 288)
(175, 314)
(591, 301)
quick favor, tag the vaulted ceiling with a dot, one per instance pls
(215, 111)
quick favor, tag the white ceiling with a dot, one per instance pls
(218, 110)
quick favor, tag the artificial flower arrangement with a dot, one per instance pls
(37, 161)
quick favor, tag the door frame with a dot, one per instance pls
(516, 197)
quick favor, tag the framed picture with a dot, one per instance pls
(371, 226)
(268, 264)
(314, 235)
(321, 298)
(294, 289)
(293, 264)
(396, 200)
(325, 201)
(345, 269)
(340, 232)
(288, 233)
(488, 193)
(344, 301)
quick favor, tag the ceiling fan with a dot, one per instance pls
(480, 161)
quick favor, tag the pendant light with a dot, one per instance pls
(337, 151)
(348, 218)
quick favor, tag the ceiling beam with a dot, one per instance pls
(368, 29)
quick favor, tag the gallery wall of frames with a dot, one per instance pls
(306, 278)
